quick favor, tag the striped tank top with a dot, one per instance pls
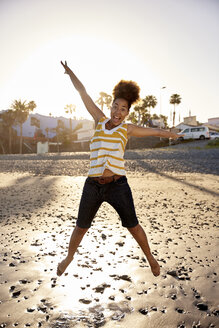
(107, 149)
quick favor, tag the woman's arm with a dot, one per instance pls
(138, 131)
(95, 111)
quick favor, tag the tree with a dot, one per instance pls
(164, 118)
(8, 117)
(39, 134)
(133, 117)
(139, 109)
(63, 136)
(140, 115)
(104, 99)
(145, 117)
(22, 111)
(175, 99)
(70, 109)
(150, 102)
(35, 122)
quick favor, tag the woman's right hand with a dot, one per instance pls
(67, 69)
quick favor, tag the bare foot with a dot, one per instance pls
(155, 267)
(62, 266)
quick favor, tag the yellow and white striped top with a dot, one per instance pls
(107, 149)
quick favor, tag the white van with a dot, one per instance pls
(199, 132)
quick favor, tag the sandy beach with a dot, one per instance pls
(109, 283)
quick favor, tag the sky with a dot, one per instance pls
(160, 43)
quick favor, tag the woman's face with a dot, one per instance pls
(119, 111)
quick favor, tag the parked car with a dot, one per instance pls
(214, 135)
(198, 132)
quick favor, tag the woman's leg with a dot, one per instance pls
(76, 238)
(89, 204)
(120, 197)
(140, 236)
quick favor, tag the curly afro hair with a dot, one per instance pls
(128, 90)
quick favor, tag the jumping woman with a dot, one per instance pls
(106, 179)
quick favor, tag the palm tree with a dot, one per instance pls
(70, 109)
(175, 99)
(145, 117)
(104, 99)
(140, 114)
(22, 111)
(164, 118)
(8, 117)
(150, 102)
(139, 109)
(133, 117)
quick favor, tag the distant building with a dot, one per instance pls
(159, 123)
(182, 126)
(187, 122)
(213, 124)
(44, 122)
(48, 124)
(86, 131)
(190, 120)
(214, 121)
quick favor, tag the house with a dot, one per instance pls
(159, 123)
(214, 121)
(213, 124)
(44, 122)
(47, 125)
(86, 131)
(84, 134)
(183, 126)
(189, 121)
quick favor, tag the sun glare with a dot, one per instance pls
(98, 63)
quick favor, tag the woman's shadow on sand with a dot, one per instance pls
(26, 194)
(179, 179)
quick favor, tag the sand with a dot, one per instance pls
(109, 283)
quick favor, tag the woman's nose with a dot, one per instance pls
(118, 111)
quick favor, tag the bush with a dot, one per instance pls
(213, 143)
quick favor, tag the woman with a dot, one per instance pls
(106, 178)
